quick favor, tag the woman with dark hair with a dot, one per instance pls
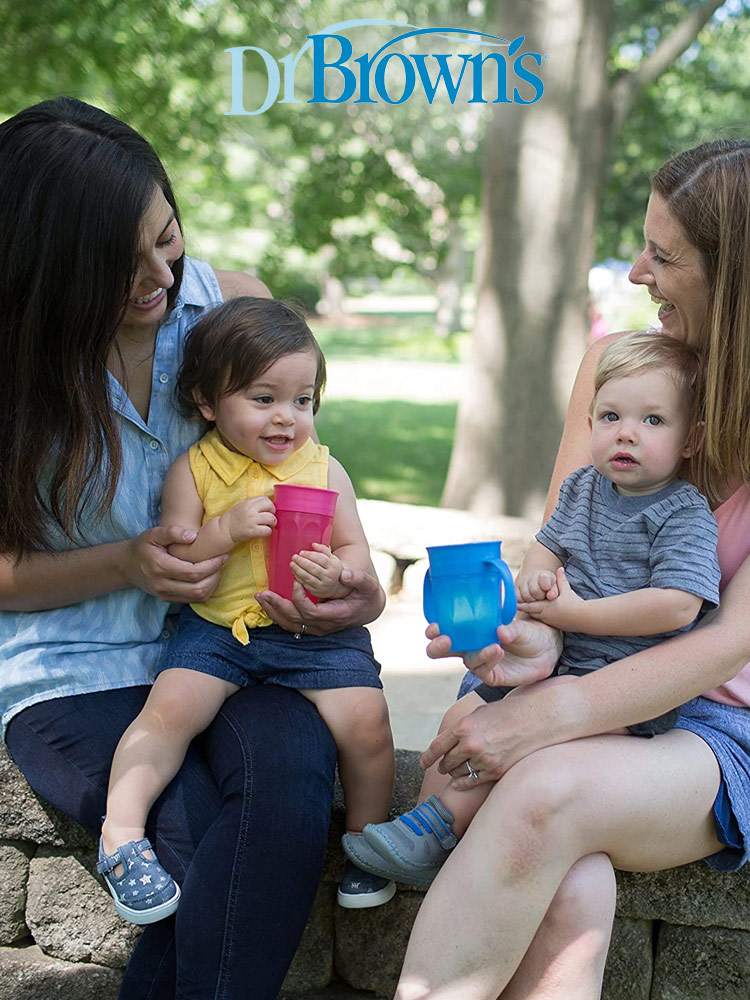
(96, 299)
(530, 889)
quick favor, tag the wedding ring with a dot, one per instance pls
(298, 635)
(471, 773)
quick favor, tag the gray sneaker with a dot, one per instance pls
(359, 851)
(411, 849)
(419, 840)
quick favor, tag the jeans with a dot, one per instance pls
(242, 828)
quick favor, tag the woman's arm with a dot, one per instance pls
(642, 686)
(44, 580)
(236, 283)
(575, 450)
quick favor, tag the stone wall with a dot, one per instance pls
(679, 935)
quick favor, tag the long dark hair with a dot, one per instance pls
(74, 186)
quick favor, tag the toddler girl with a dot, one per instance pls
(254, 371)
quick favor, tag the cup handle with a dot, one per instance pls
(428, 600)
(509, 605)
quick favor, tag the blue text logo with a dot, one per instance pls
(392, 77)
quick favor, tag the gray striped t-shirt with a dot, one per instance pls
(612, 544)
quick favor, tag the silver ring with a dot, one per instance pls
(298, 635)
(471, 772)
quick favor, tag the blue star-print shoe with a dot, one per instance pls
(144, 893)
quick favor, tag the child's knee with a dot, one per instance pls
(365, 725)
(464, 706)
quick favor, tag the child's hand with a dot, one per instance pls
(537, 585)
(318, 571)
(566, 611)
(251, 519)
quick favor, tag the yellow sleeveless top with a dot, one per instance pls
(223, 478)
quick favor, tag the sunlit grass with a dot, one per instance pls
(392, 449)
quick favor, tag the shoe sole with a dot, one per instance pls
(382, 846)
(421, 881)
(143, 917)
(364, 900)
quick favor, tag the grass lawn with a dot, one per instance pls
(401, 336)
(392, 449)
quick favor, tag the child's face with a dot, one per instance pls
(273, 417)
(639, 432)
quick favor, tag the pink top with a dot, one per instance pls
(733, 519)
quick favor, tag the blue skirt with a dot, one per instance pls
(726, 729)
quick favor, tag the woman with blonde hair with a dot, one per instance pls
(530, 888)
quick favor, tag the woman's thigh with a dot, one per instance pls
(645, 803)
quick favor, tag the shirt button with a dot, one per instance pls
(153, 445)
(165, 633)
(164, 378)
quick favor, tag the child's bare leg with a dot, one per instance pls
(463, 804)
(358, 721)
(180, 705)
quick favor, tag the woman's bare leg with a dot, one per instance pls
(645, 803)
(566, 959)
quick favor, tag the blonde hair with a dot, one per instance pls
(707, 190)
(638, 353)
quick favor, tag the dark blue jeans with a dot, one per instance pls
(242, 828)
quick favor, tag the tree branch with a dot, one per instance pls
(626, 89)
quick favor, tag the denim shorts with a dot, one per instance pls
(274, 656)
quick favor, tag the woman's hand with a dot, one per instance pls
(529, 652)
(361, 605)
(149, 566)
(497, 735)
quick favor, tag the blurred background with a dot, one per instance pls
(370, 215)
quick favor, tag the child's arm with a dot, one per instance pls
(649, 611)
(536, 580)
(318, 571)
(180, 504)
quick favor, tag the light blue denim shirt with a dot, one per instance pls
(114, 640)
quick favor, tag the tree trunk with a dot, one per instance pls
(544, 166)
(449, 283)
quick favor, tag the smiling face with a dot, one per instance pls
(640, 432)
(160, 246)
(672, 270)
(273, 417)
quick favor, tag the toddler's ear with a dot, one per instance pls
(207, 411)
(694, 440)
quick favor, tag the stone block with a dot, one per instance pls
(23, 816)
(694, 895)
(627, 974)
(370, 944)
(312, 967)
(14, 869)
(29, 974)
(701, 963)
(71, 914)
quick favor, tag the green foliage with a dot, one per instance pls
(392, 449)
(704, 95)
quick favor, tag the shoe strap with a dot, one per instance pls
(109, 862)
(424, 818)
